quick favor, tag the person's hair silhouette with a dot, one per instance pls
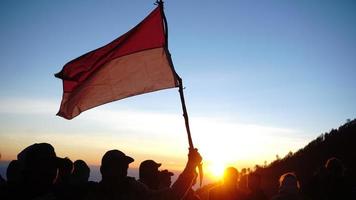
(289, 181)
(288, 188)
(231, 176)
(229, 187)
(81, 172)
(65, 171)
(14, 172)
(334, 167)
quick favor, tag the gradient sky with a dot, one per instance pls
(262, 78)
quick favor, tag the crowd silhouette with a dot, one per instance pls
(39, 174)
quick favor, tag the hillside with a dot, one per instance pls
(339, 143)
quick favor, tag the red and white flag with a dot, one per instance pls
(135, 63)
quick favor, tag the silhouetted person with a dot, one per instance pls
(203, 192)
(79, 184)
(191, 194)
(40, 165)
(288, 188)
(149, 173)
(330, 182)
(81, 172)
(14, 173)
(242, 184)
(254, 186)
(115, 183)
(314, 188)
(165, 177)
(228, 189)
(335, 184)
(63, 189)
(65, 171)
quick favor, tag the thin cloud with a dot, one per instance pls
(27, 106)
(156, 133)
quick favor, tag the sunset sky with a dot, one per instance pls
(262, 78)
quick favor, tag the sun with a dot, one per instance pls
(217, 170)
(216, 162)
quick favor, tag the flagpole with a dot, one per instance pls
(180, 85)
(179, 80)
(186, 119)
(185, 113)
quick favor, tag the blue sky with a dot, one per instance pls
(282, 70)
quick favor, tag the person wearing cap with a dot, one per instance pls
(115, 183)
(165, 177)
(149, 174)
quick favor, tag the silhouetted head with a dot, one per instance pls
(254, 181)
(40, 165)
(243, 171)
(165, 178)
(81, 172)
(288, 182)
(231, 176)
(334, 167)
(14, 172)
(114, 165)
(65, 170)
(149, 174)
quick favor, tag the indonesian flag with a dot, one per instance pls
(135, 63)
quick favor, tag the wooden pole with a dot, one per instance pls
(185, 113)
(179, 80)
(180, 85)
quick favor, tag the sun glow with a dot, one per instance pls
(140, 134)
(216, 170)
(216, 162)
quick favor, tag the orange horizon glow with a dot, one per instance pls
(222, 143)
